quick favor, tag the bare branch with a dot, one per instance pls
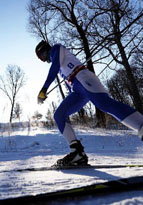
(12, 82)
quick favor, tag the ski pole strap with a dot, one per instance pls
(75, 72)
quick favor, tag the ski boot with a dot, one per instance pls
(77, 156)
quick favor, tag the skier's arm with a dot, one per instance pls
(55, 67)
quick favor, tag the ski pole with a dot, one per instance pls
(54, 87)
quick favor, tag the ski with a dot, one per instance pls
(122, 184)
(88, 166)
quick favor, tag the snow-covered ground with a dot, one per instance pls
(37, 147)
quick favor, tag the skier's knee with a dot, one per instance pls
(58, 115)
(60, 119)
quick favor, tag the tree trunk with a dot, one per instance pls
(134, 89)
(12, 108)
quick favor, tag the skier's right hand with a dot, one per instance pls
(42, 96)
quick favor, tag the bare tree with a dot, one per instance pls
(37, 116)
(117, 28)
(17, 111)
(137, 59)
(11, 83)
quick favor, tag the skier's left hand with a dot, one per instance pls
(42, 96)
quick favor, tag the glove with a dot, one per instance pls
(42, 95)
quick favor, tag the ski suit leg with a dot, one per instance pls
(122, 112)
(71, 104)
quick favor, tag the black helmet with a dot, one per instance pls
(41, 47)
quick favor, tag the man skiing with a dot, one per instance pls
(85, 87)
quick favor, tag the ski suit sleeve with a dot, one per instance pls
(55, 67)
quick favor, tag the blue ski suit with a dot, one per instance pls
(85, 87)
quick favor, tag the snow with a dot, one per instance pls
(40, 147)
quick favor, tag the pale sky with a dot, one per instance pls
(18, 48)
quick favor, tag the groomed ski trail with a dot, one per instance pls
(43, 182)
(125, 184)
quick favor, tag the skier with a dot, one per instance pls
(85, 87)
